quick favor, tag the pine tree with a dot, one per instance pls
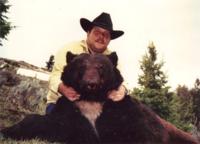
(153, 77)
(5, 26)
(153, 90)
(196, 103)
(50, 63)
(155, 93)
(185, 108)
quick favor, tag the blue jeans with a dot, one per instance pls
(50, 107)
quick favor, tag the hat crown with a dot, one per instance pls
(104, 20)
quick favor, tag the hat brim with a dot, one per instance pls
(87, 26)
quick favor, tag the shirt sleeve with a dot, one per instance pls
(60, 62)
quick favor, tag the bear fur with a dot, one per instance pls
(94, 118)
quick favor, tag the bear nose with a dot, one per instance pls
(91, 86)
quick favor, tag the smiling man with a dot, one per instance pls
(99, 34)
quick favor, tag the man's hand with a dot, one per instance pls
(117, 95)
(68, 92)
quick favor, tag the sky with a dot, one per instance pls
(45, 26)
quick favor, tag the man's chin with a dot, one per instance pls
(99, 49)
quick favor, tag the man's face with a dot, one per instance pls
(98, 39)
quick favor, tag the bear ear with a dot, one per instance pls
(113, 58)
(70, 56)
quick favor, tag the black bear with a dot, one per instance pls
(94, 118)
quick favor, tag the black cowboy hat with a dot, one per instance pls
(103, 21)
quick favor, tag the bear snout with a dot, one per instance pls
(90, 86)
(91, 79)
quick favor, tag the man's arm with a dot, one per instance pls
(56, 87)
(67, 91)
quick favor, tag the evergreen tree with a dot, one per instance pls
(196, 103)
(5, 26)
(152, 77)
(50, 63)
(153, 90)
(185, 108)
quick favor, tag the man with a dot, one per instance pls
(99, 33)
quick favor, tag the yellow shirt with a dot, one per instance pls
(60, 62)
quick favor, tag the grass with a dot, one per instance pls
(34, 141)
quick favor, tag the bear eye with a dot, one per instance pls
(79, 66)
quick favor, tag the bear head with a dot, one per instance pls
(92, 75)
